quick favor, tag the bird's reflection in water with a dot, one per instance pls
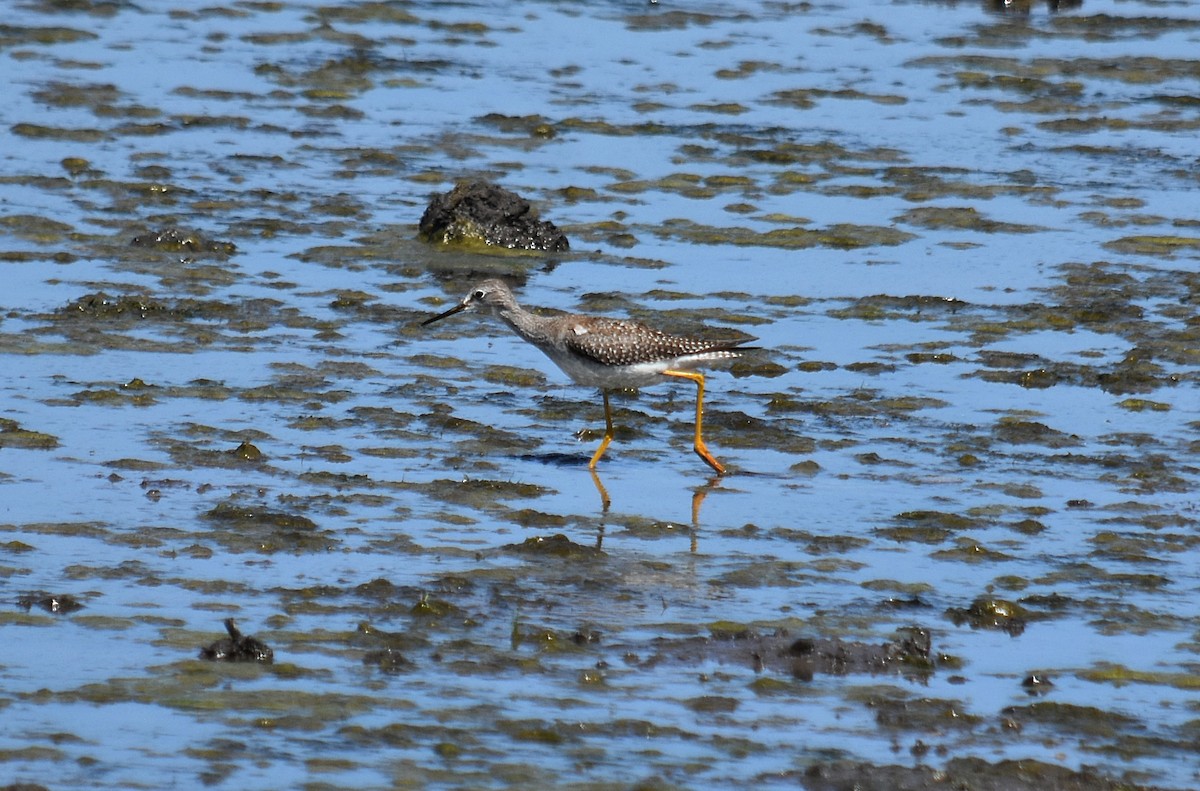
(605, 500)
(698, 495)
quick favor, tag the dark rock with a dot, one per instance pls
(479, 212)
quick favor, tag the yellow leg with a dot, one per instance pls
(608, 433)
(701, 448)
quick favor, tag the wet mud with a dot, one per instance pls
(958, 544)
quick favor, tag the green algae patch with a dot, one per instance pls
(535, 731)
(1016, 431)
(531, 518)
(179, 325)
(37, 229)
(805, 98)
(57, 133)
(249, 528)
(840, 236)
(481, 493)
(104, 623)
(32, 754)
(13, 35)
(428, 607)
(939, 358)
(1142, 405)
(1143, 547)
(478, 437)
(1154, 245)
(187, 454)
(555, 546)
(820, 543)
(712, 704)
(187, 687)
(962, 773)
(12, 435)
(769, 686)
(97, 530)
(961, 218)
(247, 451)
(1120, 675)
(769, 574)
(1085, 720)
(1038, 379)
(988, 612)
(740, 430)
(670, 20)
(971, 551)
(916, 307)
(512, 376)
(926, 527)
(688, 185)
(922, 715)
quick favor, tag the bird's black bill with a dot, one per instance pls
(456, 309)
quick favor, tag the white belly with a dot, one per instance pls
(605, 377)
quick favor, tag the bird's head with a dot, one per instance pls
(491, 294)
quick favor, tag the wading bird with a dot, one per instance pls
(609, 354)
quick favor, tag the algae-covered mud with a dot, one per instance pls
(958, 544)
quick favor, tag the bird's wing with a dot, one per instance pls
(616, 342)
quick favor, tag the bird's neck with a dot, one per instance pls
(528, 325)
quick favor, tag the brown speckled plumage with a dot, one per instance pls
(616, 342)
(610, 354)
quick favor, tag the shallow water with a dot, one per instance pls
(967, 240)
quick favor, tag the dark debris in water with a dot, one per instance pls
(238, 647)
(54, 603)
(1037, 684)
